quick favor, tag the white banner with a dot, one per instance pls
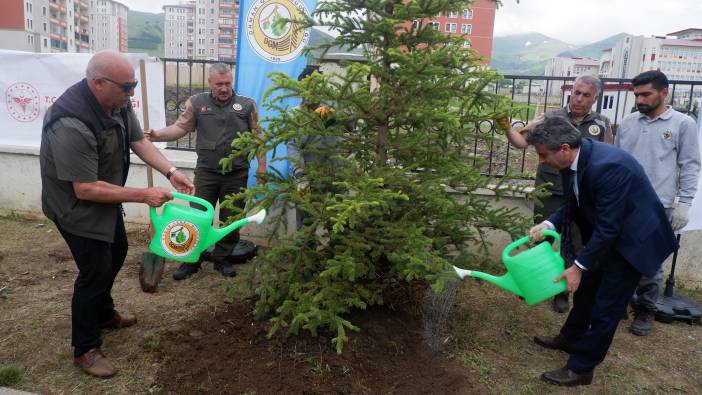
(31, 82)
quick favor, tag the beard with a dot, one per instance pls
(648, 108)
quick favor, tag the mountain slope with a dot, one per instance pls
(594, 50)
(145, 32)
(525, 54)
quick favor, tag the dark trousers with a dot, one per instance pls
(598, 306)
(98, 264)
(214, 186)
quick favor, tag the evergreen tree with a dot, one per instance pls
(395, 198)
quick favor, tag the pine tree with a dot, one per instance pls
(395, 197)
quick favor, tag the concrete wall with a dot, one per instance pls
(21, 193)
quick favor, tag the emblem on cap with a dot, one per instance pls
(594, 130)
(236, 107)
(667, 135)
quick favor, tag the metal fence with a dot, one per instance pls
(534, 95)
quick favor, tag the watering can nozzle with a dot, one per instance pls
(258, 217)
(462, 273)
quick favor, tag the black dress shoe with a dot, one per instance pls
(225, 268)
(556, 343)
(186, 270)
(567, 377)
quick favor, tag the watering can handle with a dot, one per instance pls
(526, 239)
(208, 206)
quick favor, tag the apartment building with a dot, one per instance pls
(571, 67)
(475, 24)
(108, 25)
(63, 25)
(679, 58)
(201, 29)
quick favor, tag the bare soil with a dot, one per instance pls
(191, 340)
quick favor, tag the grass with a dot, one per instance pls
(10, 375)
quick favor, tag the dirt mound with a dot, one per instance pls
(229, 353)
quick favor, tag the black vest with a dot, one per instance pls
(217, 125)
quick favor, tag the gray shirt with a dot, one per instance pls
(668, 149)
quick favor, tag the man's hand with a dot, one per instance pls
(535, 233)
(155, 197)
(680, 216)
(572, 275)
(151, 135)
(182, 183)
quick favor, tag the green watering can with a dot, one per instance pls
(182, 233)
(530, 273)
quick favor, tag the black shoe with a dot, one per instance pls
(186, 270)
(642, 323)
(567, 377)
(225, 267)
(560, 303)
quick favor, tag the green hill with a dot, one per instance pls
(525, 54)
(145, 32)
(594, 50)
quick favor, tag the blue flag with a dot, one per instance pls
(268, 43)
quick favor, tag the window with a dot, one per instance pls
(415, 24)
(43, 12)
(44, 25)
(466, 28)
(450, 28)
(453, 14)
(45, 43)
(466, 44)
(435, 26)
(467, 14)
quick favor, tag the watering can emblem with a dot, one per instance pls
(530, 273)
(182, 232)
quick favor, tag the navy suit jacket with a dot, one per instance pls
(618, 210)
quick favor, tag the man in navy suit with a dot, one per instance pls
(626, 234)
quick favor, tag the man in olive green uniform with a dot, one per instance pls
(219, 116)
(586, 90)
(84, 161)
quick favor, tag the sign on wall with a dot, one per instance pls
(31, 82)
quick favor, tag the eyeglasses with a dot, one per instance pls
(126, 87)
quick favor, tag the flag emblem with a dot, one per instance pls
(271, 33)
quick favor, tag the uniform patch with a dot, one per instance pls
(203, 109)
(594, 130)
(237, 107)
(667, 135)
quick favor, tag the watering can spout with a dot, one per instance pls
(218, 234)
(505, 282)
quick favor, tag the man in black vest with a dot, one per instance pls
(84, 160)
(219, 116)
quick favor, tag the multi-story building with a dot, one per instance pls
(63, 25)
(201, 29)
(475, 24)
(571, 67)
(108, 25)
(678, 58)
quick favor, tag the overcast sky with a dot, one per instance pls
(572, 21)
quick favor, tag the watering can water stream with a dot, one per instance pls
(530, 273)
(182, 233)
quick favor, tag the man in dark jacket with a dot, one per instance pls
(626, 234)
